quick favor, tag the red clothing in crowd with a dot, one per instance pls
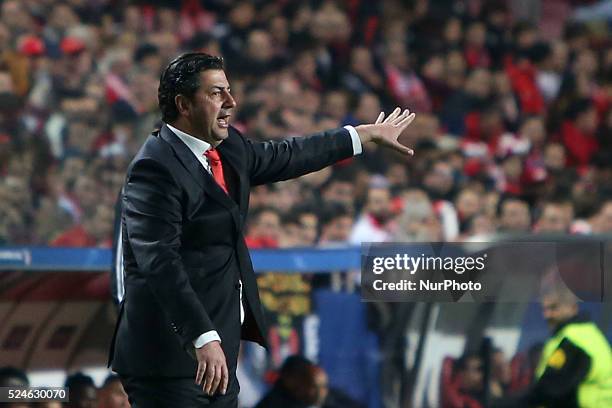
(477, 57)
(261, 242)
(580, 146)
(523, 79)
(78, 237)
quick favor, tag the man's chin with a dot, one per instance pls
(220, 133)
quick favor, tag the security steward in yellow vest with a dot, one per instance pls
(575, 368)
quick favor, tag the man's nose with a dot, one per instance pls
(230, 102)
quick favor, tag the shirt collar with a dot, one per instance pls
(197, 146)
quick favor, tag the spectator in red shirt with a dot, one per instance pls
(578, 133)
(476, 54)
(264, 230)
(523, 75)
(94, 231)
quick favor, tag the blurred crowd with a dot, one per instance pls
(513, 132)
(81, 389)
(298, 383)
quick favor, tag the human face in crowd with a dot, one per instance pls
(379, 202)
(553, 219)
(268, 225)
(337, 230)
(501, 370)
(557, 311)
(340, 192)
(318, 389)
(482, 224)
(533, 129)
(587, 121)
(554, 156)
(83, 397)
(471, 376)
(515, 216)
(102, 223)
(439, 179)
(17, 192)
(210, 109)
(604, 218)
(309, 224)
(86, 191)
(468, 203)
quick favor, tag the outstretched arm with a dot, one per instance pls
(281, 160)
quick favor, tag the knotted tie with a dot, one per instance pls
(216, 167)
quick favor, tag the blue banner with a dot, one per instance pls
(295, 260)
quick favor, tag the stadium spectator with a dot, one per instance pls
(469, 369)
(302, 384)
(95, 230)
(468, 204)
(578, 133)
(555, 218)
(575, 368)
(418, 221)
(373, 224)
(296, 386)
(501, 375)
(83, 392)
(336, 224)
(339, 188)
(264, 230)
(514, 216)
(603, 219)
(13, 377)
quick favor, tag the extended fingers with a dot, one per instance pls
(393, 115)
(406, 121)
(380, 118)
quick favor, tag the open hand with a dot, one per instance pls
(385, 132)
(212, 368)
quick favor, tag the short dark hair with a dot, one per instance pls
(295, 366)
(462, 362)
(79, 380)
(332, 211)
(9, 373)
(181, 78)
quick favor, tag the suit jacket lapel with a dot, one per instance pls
(202, 177)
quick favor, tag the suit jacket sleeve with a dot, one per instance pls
(153, 216)
(282, 160)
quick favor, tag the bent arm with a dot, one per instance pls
(153, 217)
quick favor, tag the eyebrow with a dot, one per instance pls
(221, 88)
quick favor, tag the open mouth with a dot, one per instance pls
(223, 121)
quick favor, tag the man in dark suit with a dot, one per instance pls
(190, 289)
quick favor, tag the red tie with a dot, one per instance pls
(216, 167)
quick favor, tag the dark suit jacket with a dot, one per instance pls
(184, 250)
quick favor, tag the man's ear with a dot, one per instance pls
(183, 105)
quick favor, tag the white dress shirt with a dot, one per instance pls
(198, 148)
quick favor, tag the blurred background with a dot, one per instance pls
(513, 136)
